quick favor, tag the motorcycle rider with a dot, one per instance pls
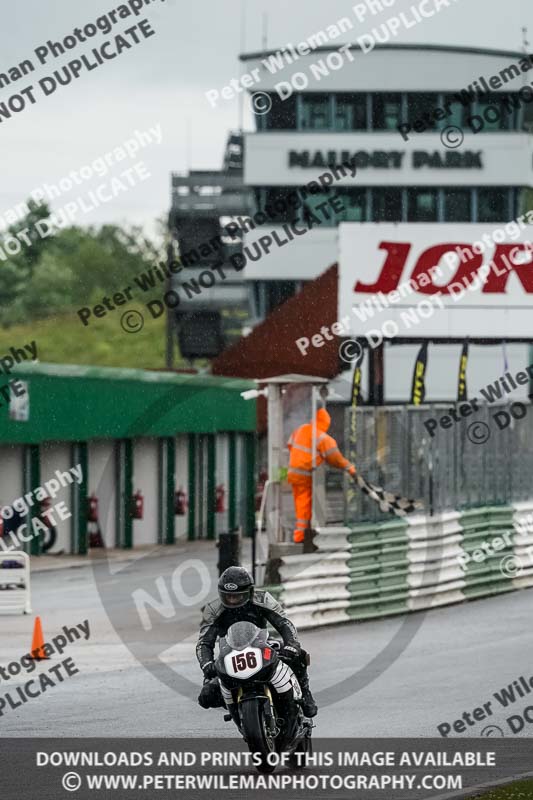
(238, 602)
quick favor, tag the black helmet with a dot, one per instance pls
(235, 587)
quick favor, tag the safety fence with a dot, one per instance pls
(484, 459)
(15, 594)
(373, 570)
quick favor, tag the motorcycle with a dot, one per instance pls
(263, 696)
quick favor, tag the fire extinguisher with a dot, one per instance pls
(92, 511)
(50, 539)
(137, 505)
(180, 502)
(93, 529)
(220, 499)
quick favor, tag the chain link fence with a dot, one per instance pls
(483, 459)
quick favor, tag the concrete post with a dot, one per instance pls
(275, 447)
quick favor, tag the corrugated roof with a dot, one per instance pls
(139, 375)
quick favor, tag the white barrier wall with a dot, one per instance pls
(102, 481)
(419, 562)
(146, 478)
(222, 479)
(181, 482)
(11, 475)
(57, 456)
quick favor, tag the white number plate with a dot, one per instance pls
(243, 663)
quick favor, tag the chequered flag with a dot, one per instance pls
(387, 501)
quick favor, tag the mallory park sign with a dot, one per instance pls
(386, 159)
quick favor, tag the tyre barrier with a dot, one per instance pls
(15, 595)
(379, 569)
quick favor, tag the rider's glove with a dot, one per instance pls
(290, 651)
(209, 670)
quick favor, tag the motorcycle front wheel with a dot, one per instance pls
(256, 733)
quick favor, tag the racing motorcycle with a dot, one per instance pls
(262, 695)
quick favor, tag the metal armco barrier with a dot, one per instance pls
(379, 569)
(15, 595)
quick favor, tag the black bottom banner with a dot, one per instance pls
(388, 769)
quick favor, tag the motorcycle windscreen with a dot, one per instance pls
(245, 634)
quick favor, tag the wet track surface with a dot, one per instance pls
(458, 658)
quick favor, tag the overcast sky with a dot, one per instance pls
(162, 81)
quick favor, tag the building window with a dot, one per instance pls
(420, 104)
(350, 112)
(268, 295)
(515, 109)
(277, 292)
(458, 205)
(312, 202)
(422, 205)
(386, 111)
(387, 205)
(459, 112)
(525, 117)
(315, 112)
(497, 113)
(282, 115)
(354, 202)
(280, 202)
(493, 205)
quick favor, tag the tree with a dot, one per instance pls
(17, 270)
(52, 289)
(67, 268)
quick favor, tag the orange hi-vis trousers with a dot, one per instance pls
(302, 493)
(302, 461)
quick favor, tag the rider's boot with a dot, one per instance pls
(309, 706)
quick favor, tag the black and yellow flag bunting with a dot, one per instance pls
(387, 501)
(462, 394)
(418, 388)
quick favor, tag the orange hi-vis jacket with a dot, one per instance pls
(300, 444)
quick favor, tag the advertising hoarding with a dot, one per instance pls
(437, 280)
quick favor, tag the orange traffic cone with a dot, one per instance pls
(37, 645)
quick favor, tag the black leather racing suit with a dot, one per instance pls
(262, 609)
